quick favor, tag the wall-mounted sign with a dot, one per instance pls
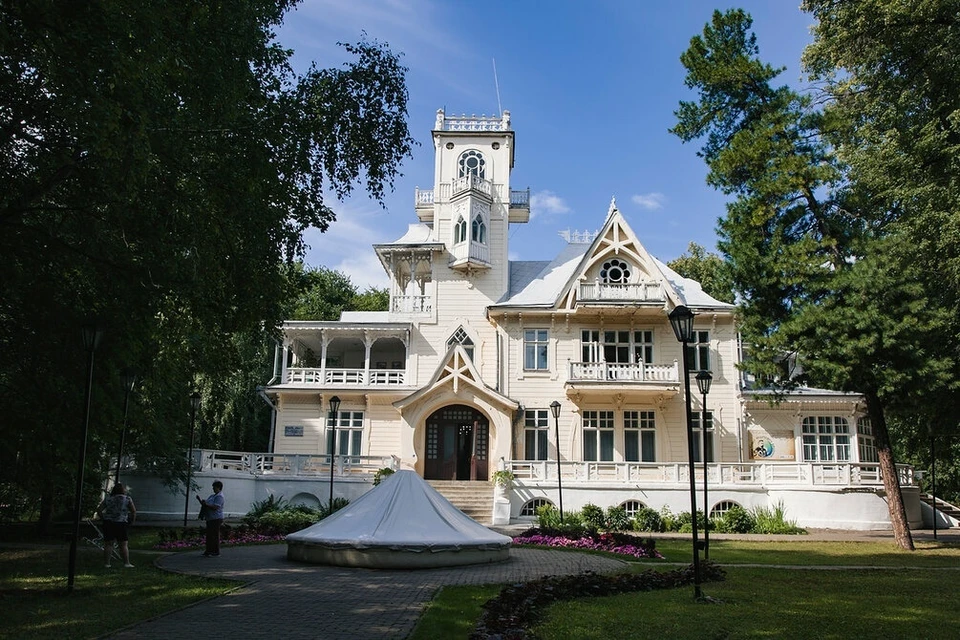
(776, 445)
(293, 431)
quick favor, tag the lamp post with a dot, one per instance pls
(704, 379)
(681, 320)
(555, 410)
(129, 379)
(334, 416)
(91, 333)
(194, 405)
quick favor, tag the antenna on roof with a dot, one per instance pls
(496, 83)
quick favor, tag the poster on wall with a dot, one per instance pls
(776, 445)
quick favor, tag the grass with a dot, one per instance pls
(36, 604)
(754, 602)
(771, 603)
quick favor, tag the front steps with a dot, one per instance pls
(474, 498)
(947, 509)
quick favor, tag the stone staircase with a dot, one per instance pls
(474, 498)
(943, 507)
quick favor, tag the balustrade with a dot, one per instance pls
(621, 372)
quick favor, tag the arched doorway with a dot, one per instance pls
(457, 442)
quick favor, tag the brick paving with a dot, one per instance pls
(285, 599)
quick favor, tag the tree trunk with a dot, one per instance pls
(888, 470)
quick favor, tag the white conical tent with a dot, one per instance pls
(402, 523)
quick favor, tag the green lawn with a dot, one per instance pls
(36, 604)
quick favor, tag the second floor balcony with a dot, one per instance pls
(620, 292)
(347, 377)
(618, 373)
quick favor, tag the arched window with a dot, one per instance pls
(721, 508)
(472, 163)
(479, 230)
(632, 507)
(460, 337)
(460, 231)
(530, 508)
(615, 271)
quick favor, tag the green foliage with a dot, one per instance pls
(381, 474)
(15, 503)
(593, 516)
(773, 520)
(164, 162)
(706, 268)
(735, 520)
(684, 522)
(332, 507)
(260, 508)
(648, 519)
(503, 478)
(617, 519)
(287, 521)
(548, 519)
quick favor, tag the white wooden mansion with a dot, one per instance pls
(456, 380)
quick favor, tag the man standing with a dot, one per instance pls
(213, 507)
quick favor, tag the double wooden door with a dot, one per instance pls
(457, 444)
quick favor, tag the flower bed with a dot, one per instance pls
(180, 540)
(621, 544)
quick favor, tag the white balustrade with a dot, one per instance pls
(621, 372)
(411, 304)
(347, 377)
(643, 291)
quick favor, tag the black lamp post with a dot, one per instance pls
(92, 333)
(681, 319)
(555, 410)
(334, 416)
(129, 379)
(704, 379)
(194, 405)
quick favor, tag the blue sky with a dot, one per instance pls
(591, 87)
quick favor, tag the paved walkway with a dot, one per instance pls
(289, 600)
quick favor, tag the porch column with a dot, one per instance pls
(367, 346)
(324, 341)
(284, 362)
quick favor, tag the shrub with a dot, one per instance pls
(685, 521)
(767, 520)
(381, 474)
(617, 519)
(648, 519)
(548, 517)
(15, 503)
(593, 516)
(261, 507)
(287, 521)
(735, 520)
(337, 504)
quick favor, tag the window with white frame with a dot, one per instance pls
(639, 436)
(867, 445)
(698, 438)
(598, 436)
(826, 439)
(479, 230)
(535, 342)
(472, 163)
(529, 509)
(535, 431)
(721, 508)
(349, 432)
(460, 337)
(698, 351)
(460, 231)
(623, 347)
(632, 507)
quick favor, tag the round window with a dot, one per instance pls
(616, 271)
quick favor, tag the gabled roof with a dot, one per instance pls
(456, 369)
(547, 284)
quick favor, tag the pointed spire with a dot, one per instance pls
(613, 206)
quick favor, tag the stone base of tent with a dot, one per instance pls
(385, 558)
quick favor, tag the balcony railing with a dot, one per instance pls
(471, 182)
(762, 474)
(347, 377)
(622, 372)
(519, 198)
(411, 304)
(632, 291)
(473, 251)
(293, 464)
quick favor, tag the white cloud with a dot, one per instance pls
(650, 201)
(547, 202)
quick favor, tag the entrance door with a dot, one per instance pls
(456, 444)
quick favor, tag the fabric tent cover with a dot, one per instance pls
(402, 523)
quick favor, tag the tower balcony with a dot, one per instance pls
(470, 256)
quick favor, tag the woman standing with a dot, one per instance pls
(117, 512)
(213, 512)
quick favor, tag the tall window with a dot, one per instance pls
(479, 230)
(460, 337)
(349, 432)
(472, 163)
(868, 446)
(639, 436)
(697, 438)
(535, 430)
(598, 436)
(535, 343)
(698, 351)
(460, 231)
(826, 439)
(623, 347)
